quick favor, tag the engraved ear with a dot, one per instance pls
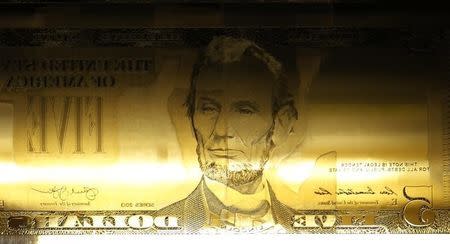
(283, 124)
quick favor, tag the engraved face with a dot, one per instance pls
(233, 120)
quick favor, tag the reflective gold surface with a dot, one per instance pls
(232, 134)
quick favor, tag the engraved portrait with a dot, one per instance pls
(240, 108)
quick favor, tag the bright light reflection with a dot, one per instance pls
(295, 173)
(133, 172)
(110, 239)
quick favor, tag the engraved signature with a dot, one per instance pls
(63, 193)
(350, 191)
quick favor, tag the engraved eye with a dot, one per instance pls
(246, 110)
(208, 108)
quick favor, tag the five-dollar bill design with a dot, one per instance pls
(242, 130)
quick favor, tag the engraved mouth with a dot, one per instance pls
(225, 153)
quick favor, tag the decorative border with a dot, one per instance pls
(446, 127)
(386, 221)
(416, 40)
(327, 2)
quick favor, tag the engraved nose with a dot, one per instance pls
(222, 126)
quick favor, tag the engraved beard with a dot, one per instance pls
(232, 172)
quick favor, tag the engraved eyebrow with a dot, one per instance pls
(210, 100)
(251, 104)
(207, 92)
